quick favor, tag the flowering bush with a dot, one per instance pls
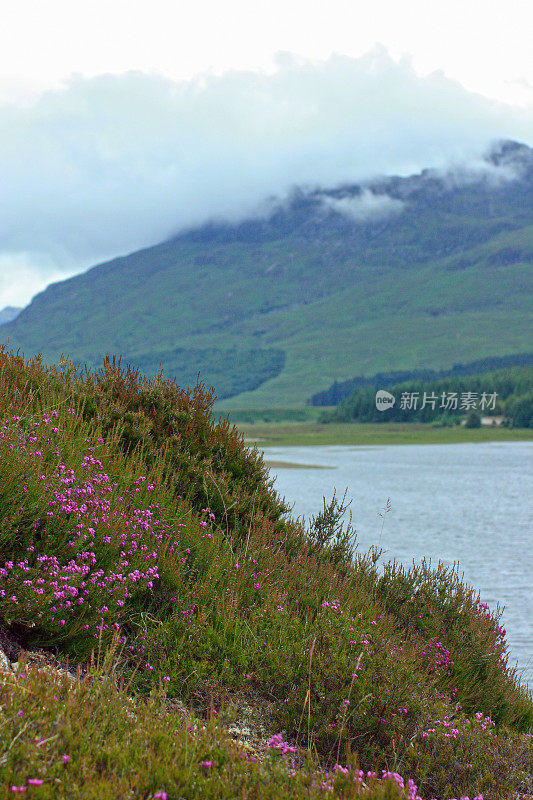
(91, 547)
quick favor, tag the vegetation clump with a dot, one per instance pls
(134, 526)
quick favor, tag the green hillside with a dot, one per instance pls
(218, 648)
(273, 310)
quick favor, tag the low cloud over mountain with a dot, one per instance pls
(365, 206)
(113, 163)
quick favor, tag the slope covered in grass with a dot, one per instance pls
(129, 519)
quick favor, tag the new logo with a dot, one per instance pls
(384, 400)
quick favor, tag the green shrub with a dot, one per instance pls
(473, 420)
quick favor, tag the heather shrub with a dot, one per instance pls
(79, 549)
(461, 640)
(331, 536)
(202, 460)
(456, 750)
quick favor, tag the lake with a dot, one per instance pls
(465, 503)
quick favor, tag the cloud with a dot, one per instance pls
(365, 206)
(113, 163)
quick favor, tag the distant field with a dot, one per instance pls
(307, 433)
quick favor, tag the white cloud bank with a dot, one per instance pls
(113, 163)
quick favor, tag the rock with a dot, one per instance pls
(5, 664)
(9, 642)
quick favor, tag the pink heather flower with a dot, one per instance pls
(35, 781)
(277, 742)
(339, 768)
(160, 796)
(66, 759)
(206, 764)
(166, 678)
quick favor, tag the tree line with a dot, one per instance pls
(505, 392)
(340, 390)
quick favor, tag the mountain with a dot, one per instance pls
(8, 314)
(402, 273)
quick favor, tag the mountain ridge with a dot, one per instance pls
(399, 273)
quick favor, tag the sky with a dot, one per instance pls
(122, 121)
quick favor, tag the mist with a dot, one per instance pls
(109, 164)
(366, 206)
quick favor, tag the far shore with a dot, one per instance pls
(275, 434)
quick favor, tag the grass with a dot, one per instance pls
(136, 529)
(148, 749)
(307, 433)
(252, 416)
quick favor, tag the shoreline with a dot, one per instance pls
(274, 434)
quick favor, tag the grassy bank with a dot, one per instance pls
(136, 528)
(309, 433)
